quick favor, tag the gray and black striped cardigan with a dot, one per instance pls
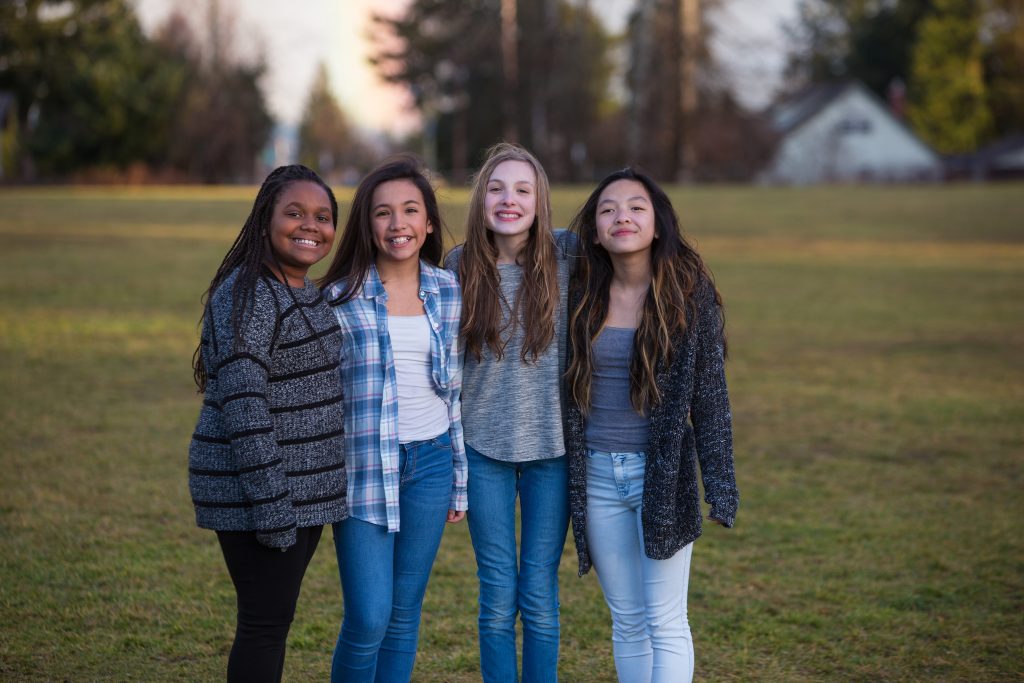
(268, 454)
(692, 423)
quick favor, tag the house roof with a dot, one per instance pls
(793, 111)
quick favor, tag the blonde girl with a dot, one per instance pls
(514, 272)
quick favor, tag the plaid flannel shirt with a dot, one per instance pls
(371, 391)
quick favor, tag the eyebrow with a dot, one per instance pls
(498, 181)
(631, 199)
(405, 203)
(300, 205)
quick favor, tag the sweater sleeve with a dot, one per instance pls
(243, 376)
(710, 412)
(451, 260)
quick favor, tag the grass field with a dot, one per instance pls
(877, 382)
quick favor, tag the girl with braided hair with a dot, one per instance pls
(647, 401)
(266, 462)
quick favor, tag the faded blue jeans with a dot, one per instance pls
(384, 575)
(527, 585)
(647, 598)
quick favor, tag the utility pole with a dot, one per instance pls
(510, 68)
(690, 33)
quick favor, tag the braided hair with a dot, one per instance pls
(251, 250)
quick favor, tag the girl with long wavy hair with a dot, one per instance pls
(266, 462)
(401, 376)
(514, 272)
(647, 401)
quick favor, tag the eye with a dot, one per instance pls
(637, 208)
(524, 190)
(412, 209)
(604, 210)
(323, 219)
(494, 188)
(292, 214)
(383, 213)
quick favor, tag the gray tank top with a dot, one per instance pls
(613, 425)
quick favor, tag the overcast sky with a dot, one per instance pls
(296, 36)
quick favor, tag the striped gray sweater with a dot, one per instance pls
(268, 454)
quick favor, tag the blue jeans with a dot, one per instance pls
(647, 598)
(528, 587)
(384, 575)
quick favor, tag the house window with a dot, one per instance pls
(852, 126)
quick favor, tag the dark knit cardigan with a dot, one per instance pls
(693, 422)
(268, 452)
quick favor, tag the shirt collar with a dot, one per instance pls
(373, 287)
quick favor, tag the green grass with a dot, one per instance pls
(878, 393)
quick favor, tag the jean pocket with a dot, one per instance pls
(443, 440)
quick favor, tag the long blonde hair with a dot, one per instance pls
(536, 299)
(677, 270)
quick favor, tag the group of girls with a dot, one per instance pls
(580, 372)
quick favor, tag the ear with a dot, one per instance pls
(430, 227)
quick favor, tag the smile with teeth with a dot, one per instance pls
(399, 241)
(305, 242)
(508, 215)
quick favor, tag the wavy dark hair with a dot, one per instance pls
(536, 299)
(676, 269)
(251, 251)
(357, 251)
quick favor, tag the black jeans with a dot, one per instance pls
(267, 584)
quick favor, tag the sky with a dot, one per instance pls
(296, 36)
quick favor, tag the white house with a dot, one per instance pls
(842, 132)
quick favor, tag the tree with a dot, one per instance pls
(1003, 60)
(219, 117)
(948, 104)
(863, 40)
(327, 141)
(91, 89)
(444, 51)
(447, 54)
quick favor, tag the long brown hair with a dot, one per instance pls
(536, 299)
(677, 271)
(356, 251)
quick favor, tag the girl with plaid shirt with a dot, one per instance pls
(401, 376)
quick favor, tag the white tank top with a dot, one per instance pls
(422, 414)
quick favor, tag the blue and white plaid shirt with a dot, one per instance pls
(371, 391)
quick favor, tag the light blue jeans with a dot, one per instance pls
(384, 575)
(528, 587)
(647, 598)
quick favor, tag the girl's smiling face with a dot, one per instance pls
(625, 218)
(301, 227)
(399, 220)
(510, 202)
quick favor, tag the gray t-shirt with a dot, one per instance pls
(511, 410)
(613, 426)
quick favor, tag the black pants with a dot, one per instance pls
(267, 584)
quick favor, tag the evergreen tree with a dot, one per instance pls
(91, 89)
(327, 141)
(948, 105)
(1004, 64)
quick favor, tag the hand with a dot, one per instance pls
(716, 521)
(455, 516)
